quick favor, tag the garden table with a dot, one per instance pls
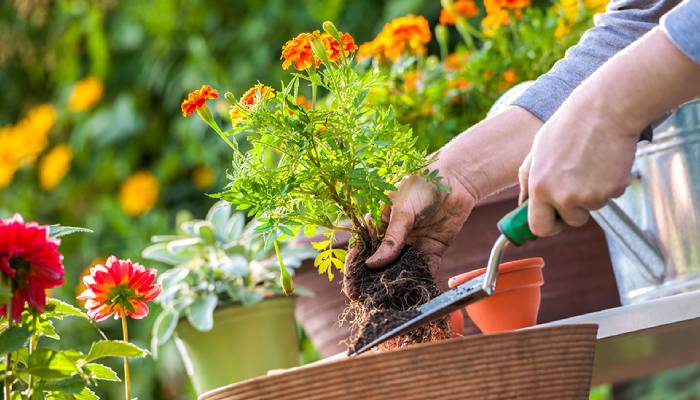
(643, 339)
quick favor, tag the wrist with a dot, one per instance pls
(485, 158)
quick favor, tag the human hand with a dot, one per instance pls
(583, 155)
(575, 167)
(423, 216)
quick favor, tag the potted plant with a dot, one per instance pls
(222, 299)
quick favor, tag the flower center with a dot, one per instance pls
(120, 296)
(22, 268)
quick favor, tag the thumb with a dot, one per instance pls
(400, 224)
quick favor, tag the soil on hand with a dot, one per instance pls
(381, 299)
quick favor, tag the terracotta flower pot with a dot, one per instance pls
(516, 301)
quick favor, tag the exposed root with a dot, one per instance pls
(383, 299)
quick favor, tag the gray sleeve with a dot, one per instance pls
(682, 26)
(623, 22)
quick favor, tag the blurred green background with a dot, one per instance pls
(145, 56)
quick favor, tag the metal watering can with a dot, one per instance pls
(653, 229)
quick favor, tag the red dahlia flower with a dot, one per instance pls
(29, 263)
(119, 287)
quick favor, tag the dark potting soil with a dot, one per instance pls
(381, 299)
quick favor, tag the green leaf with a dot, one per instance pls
(201, 312)
(73, 384)
(101, 372)
(59, 309)
(50, 364)
(13, 338)
(164, 325)
(113, 348)
(86, 394)
(56, 231)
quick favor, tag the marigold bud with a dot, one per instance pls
(330, 29)
(230, 98)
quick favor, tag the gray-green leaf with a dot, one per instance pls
(201, 313)
(56, 231)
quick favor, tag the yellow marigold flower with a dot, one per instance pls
(408, 34)
(465, 8)
(85, 94)
(563, 28)
(54, 166)
(139, 193)
(494, 20)
(203, 177)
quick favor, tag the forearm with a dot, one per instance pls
(486, 157)
(650, 78)
(623, 23)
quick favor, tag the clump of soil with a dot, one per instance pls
(381, 299)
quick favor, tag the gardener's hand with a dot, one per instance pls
(480, 161)
(583, 155)
(425, 217)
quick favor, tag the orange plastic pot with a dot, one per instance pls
(516, 301)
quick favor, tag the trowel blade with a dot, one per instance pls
(440, 306)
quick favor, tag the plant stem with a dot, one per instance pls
(127, 377)
(8, 358)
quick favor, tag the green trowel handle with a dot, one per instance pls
(514, 226)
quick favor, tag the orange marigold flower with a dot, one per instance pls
(197, 98)
(119, 287)
(333, 47)
(248, 99)
(303, 102)
(458, 83)
(411, 81)
(465, 8)
(510, 77)
(298, 51)
(251, 95)
(408, 34)
(455, 61)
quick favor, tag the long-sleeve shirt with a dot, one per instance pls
(623, 22)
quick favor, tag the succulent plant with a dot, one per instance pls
(218, 260)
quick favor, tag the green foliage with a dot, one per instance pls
(217, 260)
(315, 168)
(42, 372)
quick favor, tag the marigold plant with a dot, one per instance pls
(334, 162)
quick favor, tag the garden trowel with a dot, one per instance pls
(514, 229)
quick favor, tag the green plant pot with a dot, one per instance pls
(245, 342)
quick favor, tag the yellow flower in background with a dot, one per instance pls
(85, 94)
(21, 143)
(203, 177)
(411, 81)
(54, 166)
(139, 193)
(569, 11)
